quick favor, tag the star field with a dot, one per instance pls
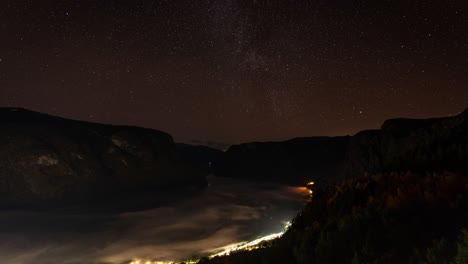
(236, 70)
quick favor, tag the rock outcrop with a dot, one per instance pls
(410, 145)
(46, 160)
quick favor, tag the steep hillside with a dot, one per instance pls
(46, 160)
(384, 218)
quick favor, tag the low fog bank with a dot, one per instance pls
(227, 212)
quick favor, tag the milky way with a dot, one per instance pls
(234, 70)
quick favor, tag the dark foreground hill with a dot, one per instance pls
(401, 144)
(384, 218)
(47, 161)
(394, 195)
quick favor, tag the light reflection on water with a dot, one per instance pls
(226, 213)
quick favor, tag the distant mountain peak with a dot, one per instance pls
(14, 109)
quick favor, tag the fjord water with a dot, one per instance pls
(227, 212)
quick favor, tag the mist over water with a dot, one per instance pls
(228, 211)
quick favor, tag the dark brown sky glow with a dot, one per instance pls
(236, 70)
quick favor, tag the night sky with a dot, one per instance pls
(235, 70)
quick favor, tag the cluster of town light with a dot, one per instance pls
(309, 185)
(227, 250)
(247, 246)
(159, 262)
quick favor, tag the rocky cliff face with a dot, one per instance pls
(401, 144)
(47, 160)
(410, 144)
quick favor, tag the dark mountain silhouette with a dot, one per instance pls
(401, 144)
(47, 160)
(200, 157)
(295, 161)
(208, 143)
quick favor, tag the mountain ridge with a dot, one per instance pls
(47, 160)
(401, 142)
